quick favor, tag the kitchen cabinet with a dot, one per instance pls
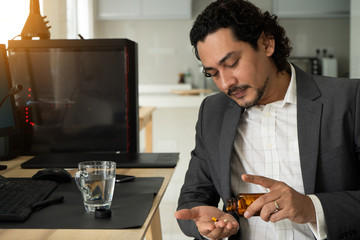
(143, 9)
(311, 8)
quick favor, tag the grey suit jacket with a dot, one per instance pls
(328, 112)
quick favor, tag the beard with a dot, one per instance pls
(248, 104)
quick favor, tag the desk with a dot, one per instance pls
(145, 117)
(151, 227)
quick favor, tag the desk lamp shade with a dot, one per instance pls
(35, 26)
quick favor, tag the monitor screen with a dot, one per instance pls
(79, 95)
(7, 109)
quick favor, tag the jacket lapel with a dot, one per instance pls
(227, 137)
(309, 119)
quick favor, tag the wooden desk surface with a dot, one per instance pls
(14, 170)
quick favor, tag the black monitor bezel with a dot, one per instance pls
(116, 44)
(13, 130)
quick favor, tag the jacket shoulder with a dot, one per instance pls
(217, 102)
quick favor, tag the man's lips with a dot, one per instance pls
(237, 92)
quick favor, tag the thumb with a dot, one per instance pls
(185, 214)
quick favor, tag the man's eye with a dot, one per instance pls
(207, 74)
(234, 64)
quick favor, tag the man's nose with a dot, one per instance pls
(227, 80)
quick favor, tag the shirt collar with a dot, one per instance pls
(290, 96)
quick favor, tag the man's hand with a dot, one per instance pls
(292, 205)
(203, 217)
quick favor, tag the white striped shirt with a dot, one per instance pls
(267, 144)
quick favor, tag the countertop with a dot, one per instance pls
(163, 96)
(170, 100)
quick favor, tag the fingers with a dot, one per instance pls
(265, 204)
(271, 211)
(281, 202)
(222, 228)
(266, 207)
(226, 223)
(210, 221)
(259, 180)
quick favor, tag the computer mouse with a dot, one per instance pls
(58, 175)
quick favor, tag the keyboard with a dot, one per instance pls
(18, 195)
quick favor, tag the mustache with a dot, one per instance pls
(236, 88)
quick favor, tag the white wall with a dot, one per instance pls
(354, 39)
(55, 12)
(164, 48)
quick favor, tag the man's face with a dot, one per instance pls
(237, 68)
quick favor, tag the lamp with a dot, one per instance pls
(35, 26)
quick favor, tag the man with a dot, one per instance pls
(272, 129)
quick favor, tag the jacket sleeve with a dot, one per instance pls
(342, 208)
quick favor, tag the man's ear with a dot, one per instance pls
(267, 43)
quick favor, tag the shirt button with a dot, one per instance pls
(269, 145)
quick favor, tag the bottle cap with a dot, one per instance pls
(102, 213)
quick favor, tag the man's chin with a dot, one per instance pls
(244, 104)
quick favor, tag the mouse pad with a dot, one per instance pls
(131, 204)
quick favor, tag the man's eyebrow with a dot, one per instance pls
(207, 68)
(227, 56)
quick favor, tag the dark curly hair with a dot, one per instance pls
(247, 23)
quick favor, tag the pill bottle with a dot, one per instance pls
(242, 202)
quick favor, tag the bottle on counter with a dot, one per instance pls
(181, 78)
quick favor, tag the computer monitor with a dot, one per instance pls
(79, 95)
(8, 120)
